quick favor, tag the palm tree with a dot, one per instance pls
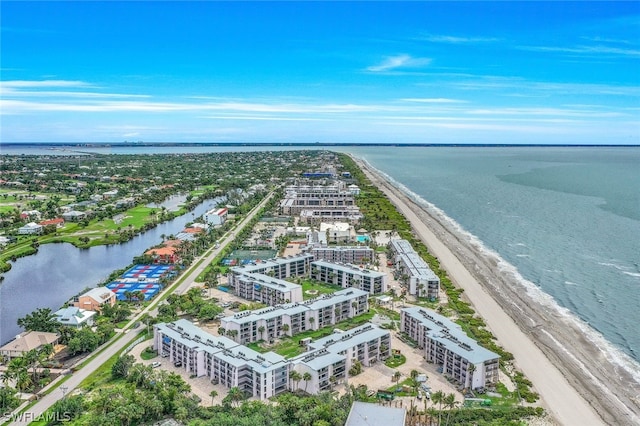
(311, 321)
(307, 378)
(438, 398)
(221, 331)
(285, 328)
(450, 403)
(213, 394)
(235, 395)
(295, 377)
(354, 305)
(261, 330)
(396, 377)
(232, 334)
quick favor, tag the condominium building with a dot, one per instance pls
(281, 267)
(293, 318)
(310, 197)
(445, 344)
(264, 281)
(346, 275)
(265, 289)
(329, 360)
(228, 363)
(343, 254)
(348, 213)
(422, 281)
(221, 359)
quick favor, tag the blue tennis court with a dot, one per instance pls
(148, 271)
(121, 288)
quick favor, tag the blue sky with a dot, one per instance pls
(424, 72)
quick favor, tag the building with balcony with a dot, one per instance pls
(422, 281)
(444, 343)
(349, 276)
(222, 360)
(293, 318)
(343, 254)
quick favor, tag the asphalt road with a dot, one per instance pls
(130, 332)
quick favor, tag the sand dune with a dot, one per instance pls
(578, 385)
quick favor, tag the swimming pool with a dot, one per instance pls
(362, 238)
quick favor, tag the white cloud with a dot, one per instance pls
(586, 50)
(399, 61)
(434, 100)
(42, 83)
(456, 40)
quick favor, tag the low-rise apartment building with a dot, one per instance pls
(346, 276)
(281, 267)
(265, 289)
(445, 344)
(343, 254)
(422, 281)
(221, 359)
(264, 375)
(329, 360)
(293, 318)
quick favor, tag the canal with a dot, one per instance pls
(58, 272)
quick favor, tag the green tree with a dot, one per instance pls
(450, 403)
(8, 399)
(120, 368)
(41, 319)
(295, 377)
(307, 378)
(438, 398)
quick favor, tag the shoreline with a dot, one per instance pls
(550, 349)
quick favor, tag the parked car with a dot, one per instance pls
(155, 364)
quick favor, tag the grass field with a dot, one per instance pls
(290, 346)
(320, 288)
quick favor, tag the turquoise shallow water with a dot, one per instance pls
(567, 218)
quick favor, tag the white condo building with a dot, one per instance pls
(265, 289)
(265, 375)
(293, 318)
(344, 254)
(334, 355)
(423, 282)
(444, 343)
(264, 281)
(221, 359)
(349, 276)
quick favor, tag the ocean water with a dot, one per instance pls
(568, 219)
(564, 219)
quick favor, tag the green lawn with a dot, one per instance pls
(321, 288)
(395, 360)
(290, 346)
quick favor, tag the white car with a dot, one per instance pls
(155, 364)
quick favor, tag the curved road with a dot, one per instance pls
(130, 332)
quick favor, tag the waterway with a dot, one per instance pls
(58, 272)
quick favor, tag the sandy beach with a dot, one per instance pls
(578, 384)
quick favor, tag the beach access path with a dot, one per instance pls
(559, 397)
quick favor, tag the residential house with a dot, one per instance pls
(58, 222)
(164, 254)
(75, 317)
(94, 299)
(74, 216)
(28, 341)
(30, 229)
